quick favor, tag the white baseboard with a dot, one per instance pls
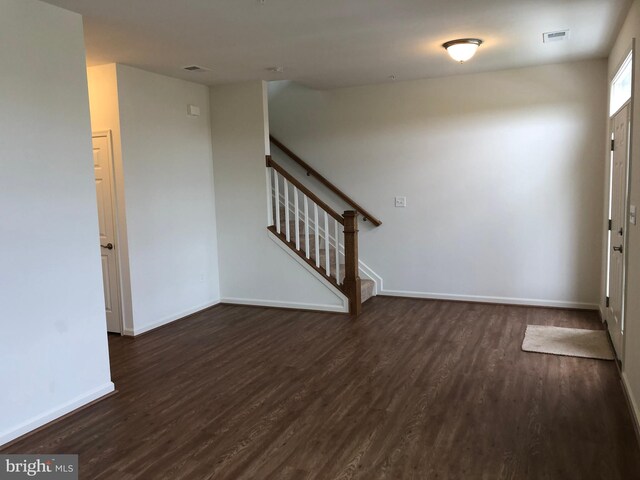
(635, 408)
(483, 299)
(172, 318)
(278, 304)
(57, 412)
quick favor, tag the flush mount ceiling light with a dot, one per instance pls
(462, 49)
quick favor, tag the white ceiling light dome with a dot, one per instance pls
(462, 49)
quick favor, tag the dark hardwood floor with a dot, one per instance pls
(413, 389)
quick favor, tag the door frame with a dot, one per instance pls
(606, 247)
(625, 235)
(116, 221)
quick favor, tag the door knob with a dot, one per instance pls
(618, 249)
(109, 246)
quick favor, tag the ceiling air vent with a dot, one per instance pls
(195, 68)
(555, 36)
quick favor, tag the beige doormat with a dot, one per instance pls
(572, 342)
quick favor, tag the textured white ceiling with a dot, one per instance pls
(336, 43)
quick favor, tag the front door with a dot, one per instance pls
(102, 164)
(618, 225)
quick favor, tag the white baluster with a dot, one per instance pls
(297, 216)
(317, 233)
(270, 214)
(306, 226)
(277, 202)
(337, 245)
(286, 209)
(327, 251)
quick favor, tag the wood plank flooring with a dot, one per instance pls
(413, 389)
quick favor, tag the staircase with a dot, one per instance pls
(325, 239)
(367, 286)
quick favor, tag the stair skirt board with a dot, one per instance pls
(525, 302)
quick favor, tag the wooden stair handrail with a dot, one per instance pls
(305, 190)
(311, 171)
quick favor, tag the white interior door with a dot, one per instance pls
(618, 199)
(102, 164)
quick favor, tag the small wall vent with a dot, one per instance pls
(555, 36)
(195, 68)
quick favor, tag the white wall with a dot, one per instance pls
(502, 172)
(169, 192)
(253, 268)
(631, 360)
(53, 345)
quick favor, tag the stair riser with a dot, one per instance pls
(366, 289)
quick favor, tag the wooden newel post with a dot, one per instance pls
(352, 276)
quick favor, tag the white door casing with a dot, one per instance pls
(619, 179)
(105, 193)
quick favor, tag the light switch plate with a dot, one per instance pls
(401, 201)
(632, 214)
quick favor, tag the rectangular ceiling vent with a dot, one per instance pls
(195, 68)
(555, 36)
